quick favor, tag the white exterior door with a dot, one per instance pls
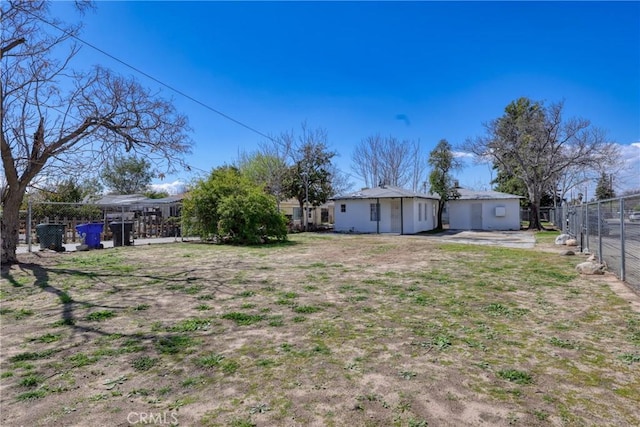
(476, 216)
(396, 219)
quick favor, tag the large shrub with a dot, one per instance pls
(229, 207)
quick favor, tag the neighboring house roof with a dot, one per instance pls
(384, 192)
(484, 195)
(134, 200)
(120, 199)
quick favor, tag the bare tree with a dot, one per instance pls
(533, 142)
(389, 161)
(364, 160)
(340, 181)
(57, 121)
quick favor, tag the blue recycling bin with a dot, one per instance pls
(91, 234)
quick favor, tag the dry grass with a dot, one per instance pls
(324, 330)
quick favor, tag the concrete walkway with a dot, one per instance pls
(509, 239)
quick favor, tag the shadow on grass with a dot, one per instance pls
(42, 279)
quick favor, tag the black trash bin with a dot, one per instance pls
(50, 236)
(116, 229)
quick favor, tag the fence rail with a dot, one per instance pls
(608, 229)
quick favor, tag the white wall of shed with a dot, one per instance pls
(460, 214)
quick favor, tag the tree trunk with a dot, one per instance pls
(534, 216)
(304, 215)
(10, 224)
(440, 209)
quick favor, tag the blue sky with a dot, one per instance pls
(352, 68)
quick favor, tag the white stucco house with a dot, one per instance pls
(385, 209)
(484, 210)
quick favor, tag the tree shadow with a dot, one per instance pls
(42, 276)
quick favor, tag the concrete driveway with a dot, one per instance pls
(71, 247)
(509, 239)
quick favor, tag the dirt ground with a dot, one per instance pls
(325, 330)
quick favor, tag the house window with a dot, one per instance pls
(343, 208)
(324, 215)
(374, 208)
(297, 214)
(419, 212)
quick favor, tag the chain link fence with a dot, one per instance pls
(148, 219)
(608, 228)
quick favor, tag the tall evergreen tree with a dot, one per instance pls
(604, 188)
(442, 162)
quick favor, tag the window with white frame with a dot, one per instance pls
(374, 214)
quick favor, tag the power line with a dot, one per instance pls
(179, 92)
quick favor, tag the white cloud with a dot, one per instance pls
(462, 154)
(628, 178)
(175, 187)
(631, 152)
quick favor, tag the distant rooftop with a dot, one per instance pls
(134, 200)
(484, 195)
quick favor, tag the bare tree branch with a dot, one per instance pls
(534, 143)
(57, 118)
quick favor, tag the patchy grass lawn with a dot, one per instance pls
(323, 330)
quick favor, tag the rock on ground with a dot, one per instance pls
(590, 268)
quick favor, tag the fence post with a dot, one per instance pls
(599, 234)
(585, 226)
(122, 226)
(622, 250)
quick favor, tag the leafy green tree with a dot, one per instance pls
(442, 162)
(309, 179)
(228, 206)
(153, 194)
(511, 184)
(266, 170)
(64, 199)
(604, 189)
(127, 175)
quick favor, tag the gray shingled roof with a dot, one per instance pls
(385, 192)
(484, 195)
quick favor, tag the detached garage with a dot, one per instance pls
(385, 209)
(484, 210)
